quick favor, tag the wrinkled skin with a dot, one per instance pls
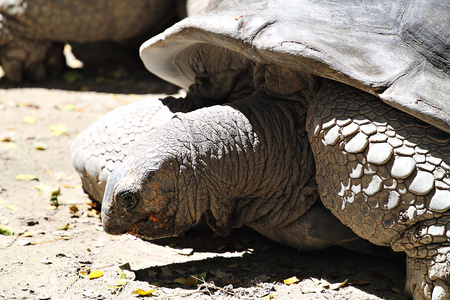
(271, 156)
(32, 33)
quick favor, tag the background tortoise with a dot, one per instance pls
(344, 101)
(32, 33)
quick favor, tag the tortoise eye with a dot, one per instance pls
(128, 200)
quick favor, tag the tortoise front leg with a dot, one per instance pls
(386, 175)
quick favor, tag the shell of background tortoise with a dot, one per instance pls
(396, 50)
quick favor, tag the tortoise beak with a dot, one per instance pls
(111, 219)
(113, 225)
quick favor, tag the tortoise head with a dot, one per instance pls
(140, 201)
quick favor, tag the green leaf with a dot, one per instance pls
(40, 146)
(6, 230)
(72, 76)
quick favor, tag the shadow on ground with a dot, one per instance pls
(246, 258)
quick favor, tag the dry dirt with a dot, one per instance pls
(41, 261)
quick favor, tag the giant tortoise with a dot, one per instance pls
(31, 30)
(298, 114)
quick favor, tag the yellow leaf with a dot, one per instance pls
(143, 293)
(26, 177)
(10, 146)
(180, 280)
(121, 282)
(291, 280)
(233, 266)
(335, 286)
(95, 274)
(11, 207)
(65, 227)
(267, 297)
(27, 234)
(58, 129)
(69, 107)
(47, 189)
(29, 119)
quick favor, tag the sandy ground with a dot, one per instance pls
(52, 249)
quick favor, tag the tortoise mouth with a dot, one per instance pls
(117, 225)
(153, 227)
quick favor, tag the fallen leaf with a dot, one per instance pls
(58, 129)
(186, 251)
(74, 209)
(267, 297)
(201, 276)
(378, 275)
(121, 282)
(180, 280)
(191, 281)
(220, 274)
(238, 17)
(233, 266)
(143, 293)
(69, 107)
(11, 207)
(6, 230)
(47, 189)
(23, 243)
(166, 271)
(396, 290)
(29, 119)
(26, 177)
(72, 76)
(10, 146)
(335, 286)
(291, 280)
(95, 274)
(125, 266)
(65, 227)
(26, 104)
(40, 146)
(27, 234)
